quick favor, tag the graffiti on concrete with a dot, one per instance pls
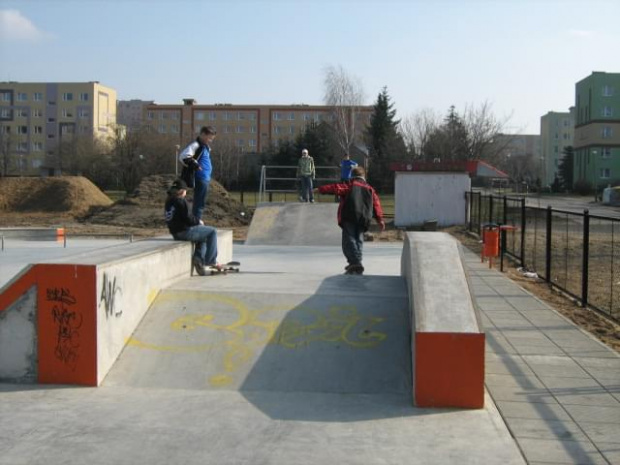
(252, 330)
(69, 321)
(109, 289)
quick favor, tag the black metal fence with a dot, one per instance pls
(577, 253)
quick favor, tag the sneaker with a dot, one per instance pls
(312, 201)
(301, 199)
(198, 266)
(356, 269)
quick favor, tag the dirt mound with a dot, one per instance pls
(145, 208)
(74, 195)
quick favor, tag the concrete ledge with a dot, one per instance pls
(448, 342)
(82, 309)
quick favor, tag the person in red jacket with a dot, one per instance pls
(359, 203)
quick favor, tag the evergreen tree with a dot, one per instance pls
(565, 169)
(384, 142)
(450, 140)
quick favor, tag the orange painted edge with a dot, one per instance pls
(67, 324)
(449, 370)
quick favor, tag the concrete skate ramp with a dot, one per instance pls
(294, 224)
(349, 336)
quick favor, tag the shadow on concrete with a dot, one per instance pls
(341, 354)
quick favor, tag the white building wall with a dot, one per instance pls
(424, 196)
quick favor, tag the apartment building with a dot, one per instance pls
(597, 129)
(249, 128)
(36, 118)
(556, 133)
(130, 113)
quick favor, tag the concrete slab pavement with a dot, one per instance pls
(556, 386)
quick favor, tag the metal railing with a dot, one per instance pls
(578, 253)
(283, 179)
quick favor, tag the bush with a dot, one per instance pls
(582, 187)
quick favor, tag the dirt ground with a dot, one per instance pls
(81, 208)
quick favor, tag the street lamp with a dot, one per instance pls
(176, 160)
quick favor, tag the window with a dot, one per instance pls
(150, 115)
(37, 96)
(607, 132)
(252, 142)
(163, 115)
(277, 116)
(67, 113)
(240, 129)
(565, 136)
(22, 113)
(608, 111)
(6, 113)
(212, 116)
(22, 129)
(67, 129)
(557, 136)
(37, 113)
(253, 129)
(606, 152)
(565, 122)
(306, 116)
(83, 113)
(605, 173)
(200, 116)
(84, 97)
(5, 96)
(5, 129)
(174, 129)
(240, 116)
(555, 149)
(252, 116)
(67, 97)
(22, 147)
(50, 136)
(37, 146)
(291, 130)
(240, 142)
(161, 129)
(22, 97)
(608, 91)
(227, 130)
(38, 129)
(291, 116)
(37, 163)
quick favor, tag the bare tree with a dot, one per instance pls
(416, 130)
(6, 142)
(482, 131)
(344, 94)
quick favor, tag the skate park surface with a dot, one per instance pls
(290, 361)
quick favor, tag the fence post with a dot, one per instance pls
(523, 231)
(586, 251)
(548, 246)
(490, 209)
(469, 209)
(505, 215)
(480, 213)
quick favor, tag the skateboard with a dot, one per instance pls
(224, 268)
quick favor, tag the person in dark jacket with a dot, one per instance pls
(184, 226)
(198, 155)
(359, 203)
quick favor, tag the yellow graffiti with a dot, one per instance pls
(252, 331)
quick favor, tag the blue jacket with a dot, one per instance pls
(201, 152)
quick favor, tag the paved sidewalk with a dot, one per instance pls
(556, 386)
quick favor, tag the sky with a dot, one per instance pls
(522, 57)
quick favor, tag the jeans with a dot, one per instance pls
(201, 191)
(352, 242)
(205, 239)
(306, 188)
